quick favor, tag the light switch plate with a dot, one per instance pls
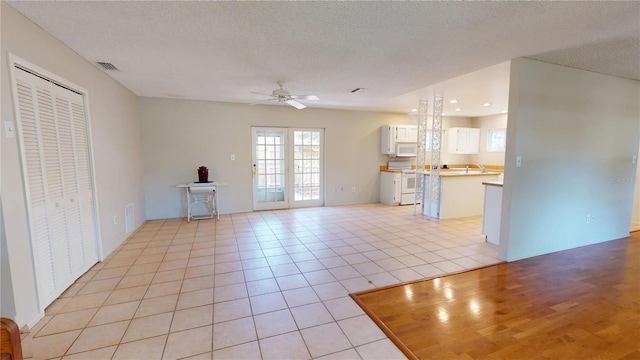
(233, 157)
(634, 159)
(518, 161)
(9, 130)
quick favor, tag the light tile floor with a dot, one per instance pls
(261, 285)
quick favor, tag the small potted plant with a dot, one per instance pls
(203, 174)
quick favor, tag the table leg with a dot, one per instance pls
(188, 206)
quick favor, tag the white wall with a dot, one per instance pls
(116, 148)
(180, 135)
(635, 214)
(7, 306)
(576, 132)
(485, 124)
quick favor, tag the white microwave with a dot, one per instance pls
(406, 149)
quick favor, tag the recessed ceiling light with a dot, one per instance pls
(414, 110)
(443, 114)
(503, 111)
(458, 109)
(454, 101)
(486, 104)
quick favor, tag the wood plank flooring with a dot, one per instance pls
(577, 304)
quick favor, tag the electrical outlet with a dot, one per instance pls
(9, 130)
(353, 189)
(590, 219)
(115, 219)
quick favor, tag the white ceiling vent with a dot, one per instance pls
(107, 66)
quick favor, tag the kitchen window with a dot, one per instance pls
(496, 140)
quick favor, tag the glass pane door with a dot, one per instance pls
(307, 167)
(269, 168)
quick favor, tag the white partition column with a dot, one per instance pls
(432, 206)
(421, 157)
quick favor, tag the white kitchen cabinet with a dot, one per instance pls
(390, 135)
(390, 187)
(492, 211)
(463, 140)
(388, 139)
(407, 133)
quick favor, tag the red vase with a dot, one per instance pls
(203, 175)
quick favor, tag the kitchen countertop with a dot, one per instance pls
(492, 183)
(445, 172)
(391, 171)
(448, 173)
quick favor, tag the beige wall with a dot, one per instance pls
(116, 148)
(635, 215)
(180, 135)
(576, 132)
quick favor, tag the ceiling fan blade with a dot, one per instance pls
(305, 97)
(261, 102)
(257, 93)
(296, 104)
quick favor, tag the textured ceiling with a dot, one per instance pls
(397, 51)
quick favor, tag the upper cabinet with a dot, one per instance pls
(407, 133)
(463, 140)
(391, 135)
(388, 139)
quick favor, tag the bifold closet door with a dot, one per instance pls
(56, 166)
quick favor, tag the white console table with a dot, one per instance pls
(202, 193)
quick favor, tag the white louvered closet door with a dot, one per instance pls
(58, 182)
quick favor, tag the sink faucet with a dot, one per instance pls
(484, 170)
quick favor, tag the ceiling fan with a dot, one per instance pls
(282, 95)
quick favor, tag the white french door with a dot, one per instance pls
(269, 168)
(287, 167)
(56, 166)
(307, 171)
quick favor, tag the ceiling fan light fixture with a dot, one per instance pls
(283, 96)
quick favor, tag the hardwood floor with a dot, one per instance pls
(577, 304)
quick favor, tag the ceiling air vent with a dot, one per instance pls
(107, 66)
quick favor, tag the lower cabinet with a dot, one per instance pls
(390, 187)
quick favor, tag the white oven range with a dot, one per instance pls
(408, 187)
